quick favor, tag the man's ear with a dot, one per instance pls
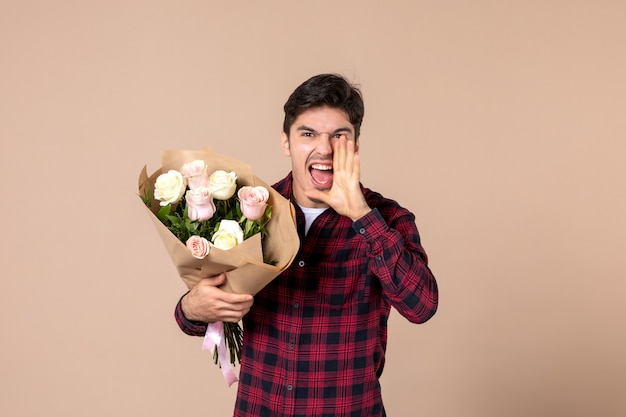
(284, 142)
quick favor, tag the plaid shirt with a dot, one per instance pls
(315, 338)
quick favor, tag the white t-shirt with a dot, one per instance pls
(310, 214)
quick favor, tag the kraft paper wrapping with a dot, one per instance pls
(246, 272)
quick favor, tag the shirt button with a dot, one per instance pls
(301, 263)
(289, 387)
(291, 346)
(362, 230)
(296, 305)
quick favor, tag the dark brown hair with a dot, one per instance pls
(325, 90)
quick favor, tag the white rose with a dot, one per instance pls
(228, 235)
(169, 187)
(223, 184)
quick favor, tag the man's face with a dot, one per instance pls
(310, 144)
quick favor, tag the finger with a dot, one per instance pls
(238, 299)
(233, 317)
(349, 159)
(356, 162)
(234, 312)
(214, 281)
(339, 155)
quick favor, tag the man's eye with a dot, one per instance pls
(341, 135)
(308, 134)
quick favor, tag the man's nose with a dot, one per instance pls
(325, 144)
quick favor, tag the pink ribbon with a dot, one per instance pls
(214, 338)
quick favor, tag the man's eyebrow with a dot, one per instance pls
(306, 128)
(310, 129)
(343, 129)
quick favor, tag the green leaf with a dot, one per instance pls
(147, 197)
(164, 213)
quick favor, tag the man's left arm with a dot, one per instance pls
(397, 258)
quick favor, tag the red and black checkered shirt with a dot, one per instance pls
(315, 338)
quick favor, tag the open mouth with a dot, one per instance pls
(322, 174)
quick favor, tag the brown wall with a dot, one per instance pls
(500, 124)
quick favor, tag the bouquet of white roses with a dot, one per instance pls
(215, 216)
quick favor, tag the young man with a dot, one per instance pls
(315, 337)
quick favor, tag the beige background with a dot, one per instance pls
(499, 123)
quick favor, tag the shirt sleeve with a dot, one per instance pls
(190, 327)
(397, 258)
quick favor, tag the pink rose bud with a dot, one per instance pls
(200, 205)
(253, 201)
(195, 173)
(199, 246)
